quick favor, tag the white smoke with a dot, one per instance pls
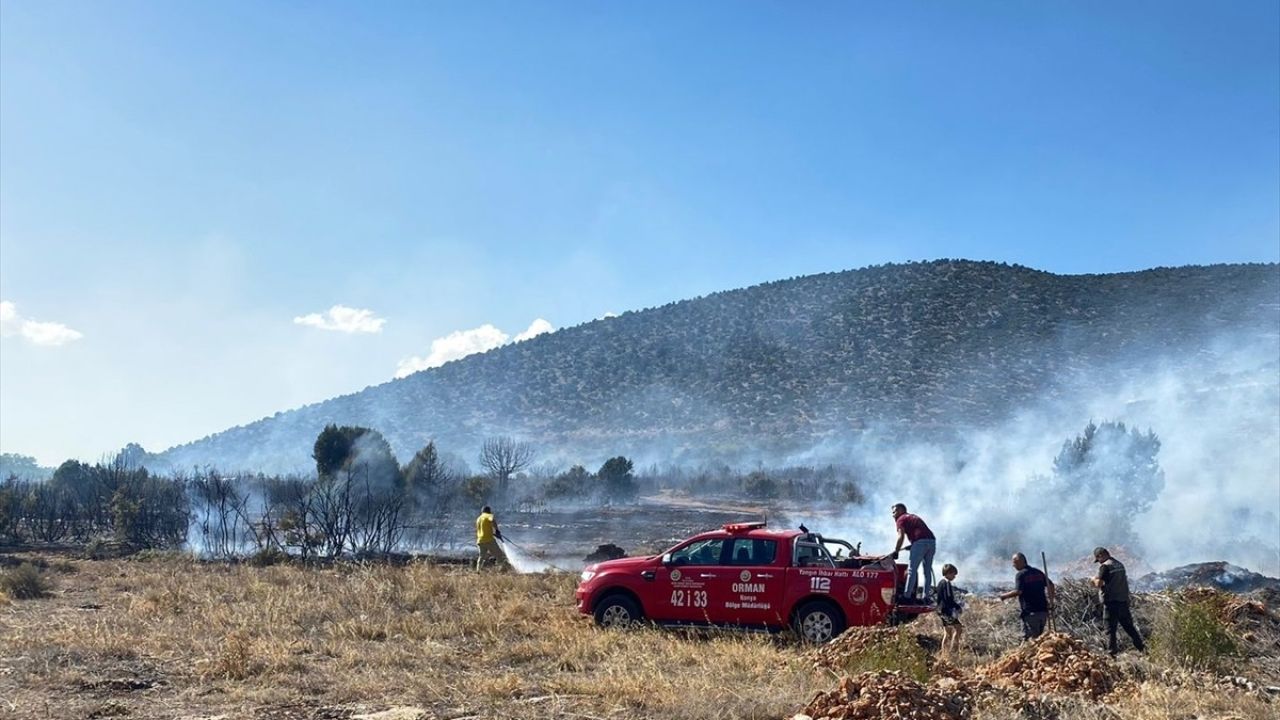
(1218, 422)
(536, 328)
(461, 343)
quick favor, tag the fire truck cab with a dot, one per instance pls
(747, 575)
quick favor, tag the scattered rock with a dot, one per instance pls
(886, 694)
(858, 641)
(1054, 663)
(108, 710)
(119, 685)
(395, 713)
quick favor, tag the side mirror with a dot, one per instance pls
(666, 559)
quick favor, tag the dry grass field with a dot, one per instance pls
(169, 637)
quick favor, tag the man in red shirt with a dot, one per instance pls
(923, 545)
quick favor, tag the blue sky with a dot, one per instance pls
(180, 181)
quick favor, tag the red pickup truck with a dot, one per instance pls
(747, 575)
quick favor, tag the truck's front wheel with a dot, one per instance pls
(617, 611)
(818, 621)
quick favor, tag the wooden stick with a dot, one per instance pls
(1044, 563)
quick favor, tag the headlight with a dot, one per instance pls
(587, 575)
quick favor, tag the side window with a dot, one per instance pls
(700, 552)
(811, 554)
(747, 551)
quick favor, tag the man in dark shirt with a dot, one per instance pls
(1113, 585)
(1034, 591)
(923, 547)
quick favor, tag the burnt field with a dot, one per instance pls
(563, 537)
(167, 636)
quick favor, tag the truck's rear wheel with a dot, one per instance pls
(617, 611)
(818, 621)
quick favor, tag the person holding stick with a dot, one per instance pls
(1044, 564)
(1035, 593)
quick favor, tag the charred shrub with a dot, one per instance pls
(24, 582)
(268, 556)
(1077, 607)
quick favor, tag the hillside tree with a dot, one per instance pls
(502, 457)
(1102, 479)
(616, 480)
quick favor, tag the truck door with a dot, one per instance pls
(748, 588)
(684, 584)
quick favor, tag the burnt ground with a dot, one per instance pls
(649, 527)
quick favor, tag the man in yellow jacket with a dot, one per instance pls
(487, 537)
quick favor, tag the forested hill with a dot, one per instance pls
(917, 348)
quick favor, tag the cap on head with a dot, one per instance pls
(486, 509)
(1100, 553)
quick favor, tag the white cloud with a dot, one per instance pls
(341, 318)
(608, 314)
(536, 328)
(462, 343)
(9, 323)
(47, 334)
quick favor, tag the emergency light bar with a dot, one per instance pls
(744, 526)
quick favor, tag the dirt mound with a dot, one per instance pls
(608, 551)
(885, 695)
(1220, 575)
(1085, 567)
(1054, 663)
(858, 642)
(1269, 597)
(1230, 608)
(1247, 618)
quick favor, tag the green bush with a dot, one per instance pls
(1193, 636)
(24, 582)
(900, 652)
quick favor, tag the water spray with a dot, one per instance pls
(522, 552)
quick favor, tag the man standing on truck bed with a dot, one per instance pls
(923, 546)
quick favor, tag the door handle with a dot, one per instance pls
(648, 575)
(707, 575)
